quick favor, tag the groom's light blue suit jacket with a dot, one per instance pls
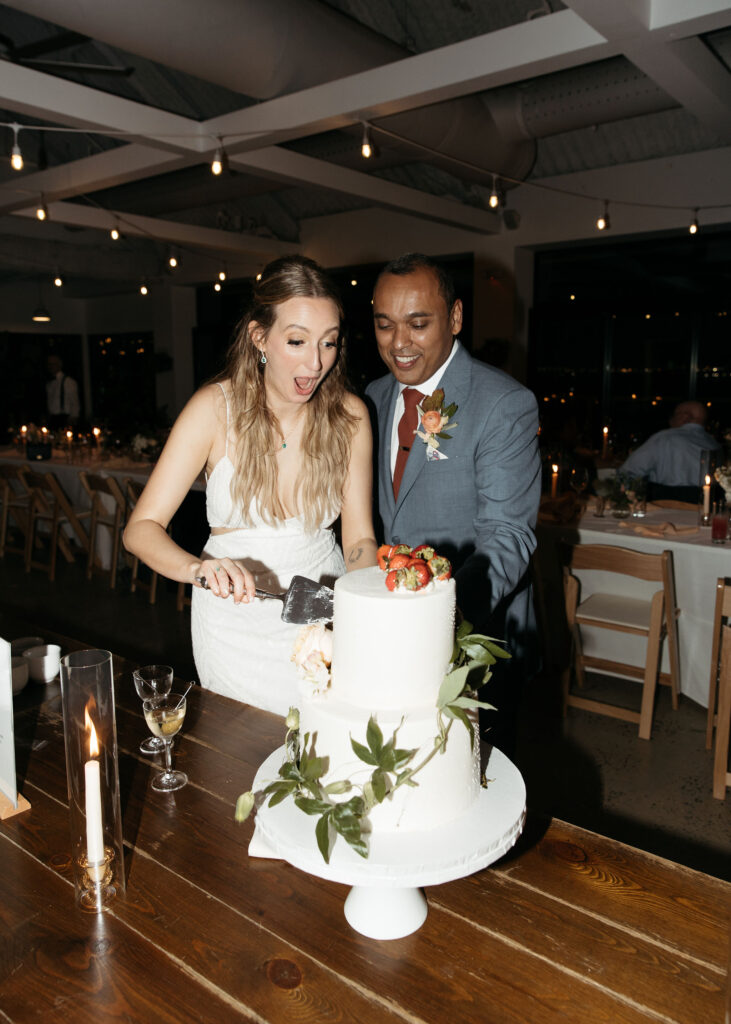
(478, 506)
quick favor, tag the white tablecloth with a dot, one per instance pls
(67, 474)
(697, 561)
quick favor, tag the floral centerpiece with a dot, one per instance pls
(723, 476)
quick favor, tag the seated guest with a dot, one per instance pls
(670, 459)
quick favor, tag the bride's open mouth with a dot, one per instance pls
(305, 385)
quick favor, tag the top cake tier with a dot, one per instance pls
(391, 649)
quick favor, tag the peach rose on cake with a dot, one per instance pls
(312, 654)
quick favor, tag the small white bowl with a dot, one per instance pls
(20, 673)
(18, 646)
(44, 662)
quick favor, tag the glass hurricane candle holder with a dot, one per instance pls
(92, 773)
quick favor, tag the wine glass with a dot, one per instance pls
(579, 479)
(152, 681)
(165, 715)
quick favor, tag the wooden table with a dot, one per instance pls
(569, 927)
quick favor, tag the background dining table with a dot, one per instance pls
(66, 464)
(568, 927)
(697, 564)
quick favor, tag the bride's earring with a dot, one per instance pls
(262, 359)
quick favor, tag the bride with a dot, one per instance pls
(286, 449)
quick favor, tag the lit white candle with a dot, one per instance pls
(92, 780)
(554, 480)
(605, 442)
(707, 496)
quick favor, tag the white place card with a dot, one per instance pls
(8, 782)
(11, 802)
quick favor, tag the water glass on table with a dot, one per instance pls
(153, 681)
(165, 715)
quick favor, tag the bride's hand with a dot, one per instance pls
(225, 576)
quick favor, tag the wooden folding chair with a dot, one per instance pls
(49, 503)
(108, 508)
(654, 618)
(721, 774)
(722, 610)
(14, 502)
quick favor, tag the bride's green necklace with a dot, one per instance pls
(289, 434)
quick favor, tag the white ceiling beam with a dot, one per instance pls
(103, 170)
(284, 165)
(50, 98)
(674, 19)
(686, 69)
(158, 230)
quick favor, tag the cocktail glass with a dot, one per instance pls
(165, 715)
(152, 681)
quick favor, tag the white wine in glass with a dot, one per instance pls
(164, 716)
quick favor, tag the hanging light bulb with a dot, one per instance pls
(217, 286)
(693, 229)
(219, 164)
(16, 157)
(58, 280)
(221, 275)
(172, 260)
(42, 211)
(494, 200)
(366, 149)
(114, 234)
(143, 289)
(603, 223)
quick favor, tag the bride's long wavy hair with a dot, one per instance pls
(328, 427)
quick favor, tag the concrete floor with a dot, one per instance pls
(588, 769)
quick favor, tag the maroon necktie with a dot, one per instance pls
(406, 428)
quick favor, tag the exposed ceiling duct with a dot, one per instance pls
(257, 48)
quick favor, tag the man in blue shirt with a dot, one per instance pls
(671, 458)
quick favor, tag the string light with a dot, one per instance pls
(219, 164)
(221, 275)
(42, 211)
(143, 289)
(693, 229)
(172, 260)
(16, 157)
(494, 200)
(58, 280)
(217, 286)
(603, 223)
(114, 234)
(366, 149)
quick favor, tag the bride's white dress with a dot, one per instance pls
(244, 651)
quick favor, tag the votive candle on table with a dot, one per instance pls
(605, 442)
(707, 496)
(554, 480)
(93, 799)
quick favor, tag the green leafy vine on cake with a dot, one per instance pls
(301, 774)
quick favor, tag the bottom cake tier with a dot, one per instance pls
(444, 788)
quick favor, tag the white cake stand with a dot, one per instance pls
(386, 901)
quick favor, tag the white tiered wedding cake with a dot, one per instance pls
(390, 653)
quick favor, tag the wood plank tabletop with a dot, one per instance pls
(568, 927)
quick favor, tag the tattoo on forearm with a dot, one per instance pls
(355, 556)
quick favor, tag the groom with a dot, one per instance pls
(474, 497)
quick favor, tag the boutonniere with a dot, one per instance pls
(434, 419)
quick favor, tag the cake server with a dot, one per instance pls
(304, 600)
